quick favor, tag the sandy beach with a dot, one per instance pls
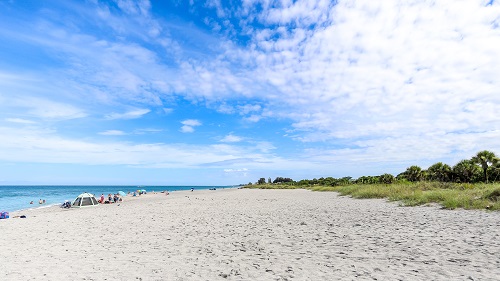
(240, 234)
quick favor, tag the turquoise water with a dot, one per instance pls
(15, 198)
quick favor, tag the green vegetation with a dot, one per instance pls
(470, 184)
(449, 195)
(484, 158)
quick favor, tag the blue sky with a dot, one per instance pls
(225, 92)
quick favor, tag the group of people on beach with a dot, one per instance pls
(112, 198)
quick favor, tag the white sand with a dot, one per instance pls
(251, 235)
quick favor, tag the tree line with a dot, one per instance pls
(482, 167)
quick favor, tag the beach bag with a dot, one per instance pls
(4, 215)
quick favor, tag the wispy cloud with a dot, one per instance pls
(112, 133)
(40, 108)
(253, 118)
(242, 171)
(133, 114)
(245, 109)
(264, 146)
(39, 146)
(168, 110)
(235, 170)
(146, 131)
(231, 138)
(19, 120)
(55, 110)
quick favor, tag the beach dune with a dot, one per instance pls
(249, 234)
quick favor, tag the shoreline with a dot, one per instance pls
(44, 206)
(250, 234)
(56, 207)
(12, 203)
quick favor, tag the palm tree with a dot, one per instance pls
(414, 173)
(485, 158)
(344, 180)
(466, 170)
(367, 180)
(494, 172)
(386, 178)
(439, 172)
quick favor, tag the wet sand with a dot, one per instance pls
(242, 234)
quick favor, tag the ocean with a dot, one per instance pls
(16, 197)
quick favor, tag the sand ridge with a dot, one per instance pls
(242, 234)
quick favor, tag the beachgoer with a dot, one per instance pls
(192, 189)
(110, 198)
(115, 198)
(43, 201)
(40, 201)
(31, 202)
(66, 204)
(102, 199)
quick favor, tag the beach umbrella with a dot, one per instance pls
(143, 190)
(122, 193)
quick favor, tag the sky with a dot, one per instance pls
(220, 92)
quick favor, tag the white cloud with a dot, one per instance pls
(264, 146)
(39, 108)
(191, 122)
(235, 170)
(253, 118)
(242, 171)
(97, 68)
(146, 131)
(133, 114)
(189, 125)
(57, 111)
(225, 108)
(218, 7)
(372, 72)
(134, 7)
(248, 108)
(187, 129)
(231, 138)
(42, 146)
(19, 120)
(112, 133)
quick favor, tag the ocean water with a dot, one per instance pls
(17, 197)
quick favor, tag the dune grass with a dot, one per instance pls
(448, 195)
